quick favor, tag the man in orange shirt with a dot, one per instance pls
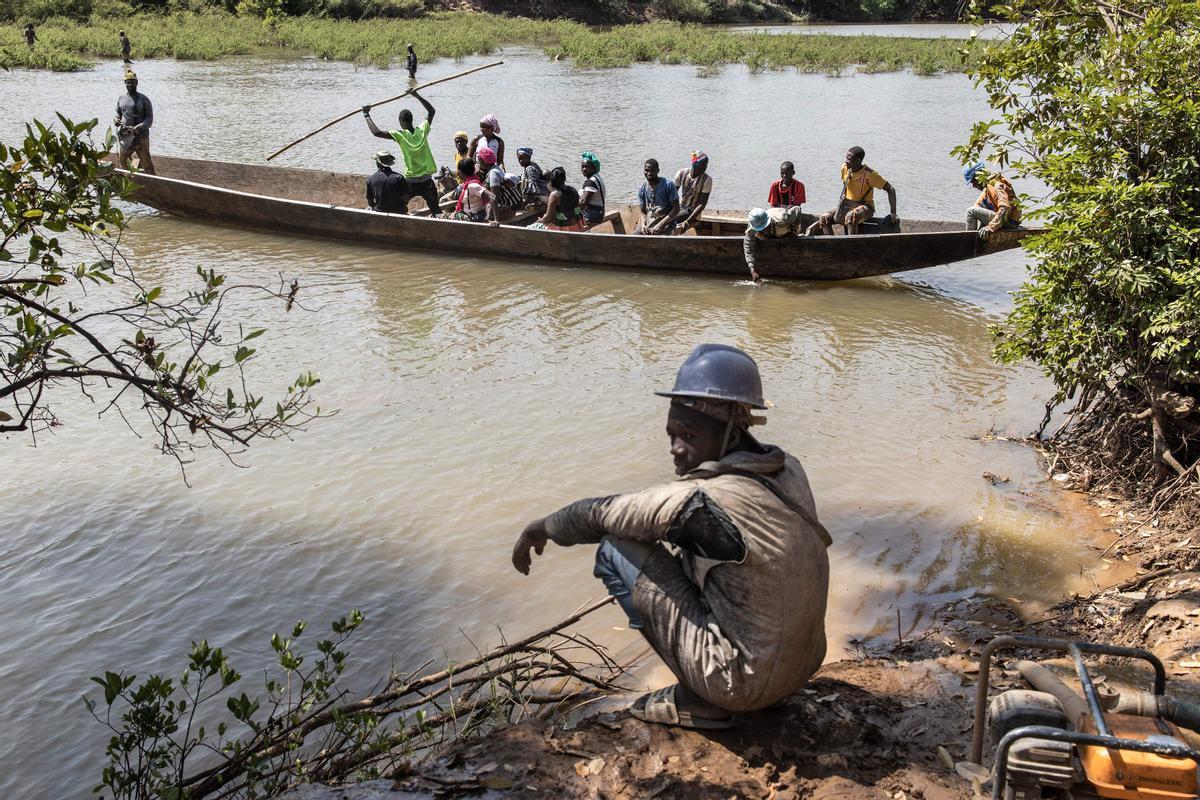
(996, 207)
(857, 204)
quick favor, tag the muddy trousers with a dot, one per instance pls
(618, 564)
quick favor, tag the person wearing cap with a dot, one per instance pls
(694, 185)
(532, 179)
(135, 115)
(448, 179)
(996, 207)
(787, 191)
(857, 203)
(125, 46)
(769, 223)
(591, 194)
(410, 63)
(489, 136)
(419, 166)
(723, 570)
(387, 190)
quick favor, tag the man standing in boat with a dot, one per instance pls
(857, 204)
(135, 115)
(419, 164)
(736, 605)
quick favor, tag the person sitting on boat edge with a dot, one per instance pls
(695, 186)
(857, 203)
(736, 608)
(489, 129)
(476, 203)
(419, 165)
(533, 180)
(135, 115)
(562, 205)
(387, 191)
(787, 191)
(770, 223)
(659, 200)
(996, 207)
(591, 195)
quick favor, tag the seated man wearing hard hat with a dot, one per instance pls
(770, 223)
(723, 570)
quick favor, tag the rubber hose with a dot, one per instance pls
(1145, 704)
(1044, 680)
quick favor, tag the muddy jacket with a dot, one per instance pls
(739, 612)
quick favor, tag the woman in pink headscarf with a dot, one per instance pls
(509, 197)
(489, 136)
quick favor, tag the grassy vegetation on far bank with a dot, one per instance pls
(66, 45)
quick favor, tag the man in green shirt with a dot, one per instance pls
(419, 165)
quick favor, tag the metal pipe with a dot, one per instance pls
(1089, 691)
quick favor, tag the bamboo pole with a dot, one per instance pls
(350, 114)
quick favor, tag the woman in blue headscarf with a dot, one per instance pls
(591, 196)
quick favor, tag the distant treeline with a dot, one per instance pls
(589, 11)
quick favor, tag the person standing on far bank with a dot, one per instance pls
(125, 47)
(419, 165)
(134, 117)
(410, 63)
(30, 36)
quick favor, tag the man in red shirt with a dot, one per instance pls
(787, 191)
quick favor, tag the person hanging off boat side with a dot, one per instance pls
(135, 115)
(770, 223)
(419, 166)
(736, 607)
(787, 191)
(387, 191)
(695, 186)
(996, 207)
(659, 200)
(857, 203)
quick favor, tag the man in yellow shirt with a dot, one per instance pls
(857, 204)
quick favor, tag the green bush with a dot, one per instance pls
(682, 10)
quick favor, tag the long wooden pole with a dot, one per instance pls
(350, 114)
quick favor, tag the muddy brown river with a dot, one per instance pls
(475, 394)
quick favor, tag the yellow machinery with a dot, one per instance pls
(1051, 743)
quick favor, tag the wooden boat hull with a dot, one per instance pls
(330, 205)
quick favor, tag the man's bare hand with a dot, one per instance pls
(533, 537)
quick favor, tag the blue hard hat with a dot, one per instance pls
(758, 219)
(971, 170)
(719, 372)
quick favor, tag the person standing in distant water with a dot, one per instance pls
(124, 47)
(411, 63)
(787, 191)
(387, 191)
(30, 36)
(134, 117)
(419, 166)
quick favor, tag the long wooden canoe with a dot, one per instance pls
(331, 205)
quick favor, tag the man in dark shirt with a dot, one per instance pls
(124, 47)
(411, 63)
(30, 36)
(387, 191)
(135, 115)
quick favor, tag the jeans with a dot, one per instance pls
(618, 564)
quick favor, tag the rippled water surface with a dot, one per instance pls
(475, 394)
